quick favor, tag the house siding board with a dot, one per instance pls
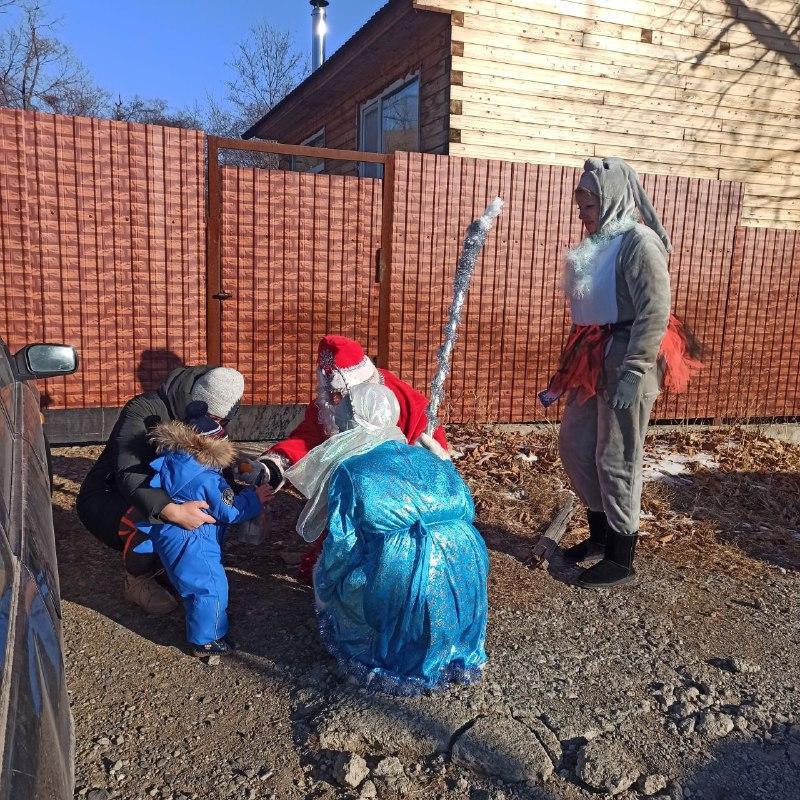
(554, 82)
(414, 42)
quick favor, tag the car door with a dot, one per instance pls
(38, 746)
(9, 565)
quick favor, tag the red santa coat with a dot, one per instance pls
(309, 433)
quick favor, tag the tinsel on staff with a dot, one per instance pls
(473, 243)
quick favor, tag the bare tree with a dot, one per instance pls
(266, 67)
(38, 72)
(155, 111)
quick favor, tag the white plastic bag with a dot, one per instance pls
(254, 531)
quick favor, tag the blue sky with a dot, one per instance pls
(177, 49)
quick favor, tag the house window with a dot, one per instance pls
(306, 163)
(389, 122)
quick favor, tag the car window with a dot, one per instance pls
(7, 379)
(40, 546)
(6, 452)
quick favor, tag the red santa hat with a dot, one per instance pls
(343, 363)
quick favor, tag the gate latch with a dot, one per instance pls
(222, 295)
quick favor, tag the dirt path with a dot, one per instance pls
(683, 685)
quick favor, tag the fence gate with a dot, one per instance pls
(291, 256)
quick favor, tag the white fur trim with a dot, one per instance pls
(581, 261)
(344, 378)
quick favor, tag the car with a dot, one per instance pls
(36, 732)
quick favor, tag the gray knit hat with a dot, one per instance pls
(221, 389)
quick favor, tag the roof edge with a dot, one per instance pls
(338, 60)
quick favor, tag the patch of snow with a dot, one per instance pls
(662, 465)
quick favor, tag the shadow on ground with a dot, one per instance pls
(750, 770)
(266, 603)
(756, 512)
(272, 620)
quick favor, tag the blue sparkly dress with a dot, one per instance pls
(401, 582)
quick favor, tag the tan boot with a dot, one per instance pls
(146, 592)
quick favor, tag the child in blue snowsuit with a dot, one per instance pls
(192, 455)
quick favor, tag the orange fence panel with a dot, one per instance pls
(299, 256)
(736, 288)
(102, 229)
(103, 245)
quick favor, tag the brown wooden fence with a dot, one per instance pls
(299, 258)
(103, 237)
(102, 246)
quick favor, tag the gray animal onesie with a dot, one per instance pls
(616, 279)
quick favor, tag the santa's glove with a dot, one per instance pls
(274, 465)
(429, 443)
(626, 392)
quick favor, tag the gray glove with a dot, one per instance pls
(626, 392)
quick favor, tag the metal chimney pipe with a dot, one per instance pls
(319, 30)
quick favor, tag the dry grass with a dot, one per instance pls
(748, 508)
(739, 515)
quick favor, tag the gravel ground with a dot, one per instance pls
(683, 685)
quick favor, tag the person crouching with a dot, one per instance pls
(192, 455)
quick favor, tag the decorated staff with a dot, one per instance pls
(473, 243)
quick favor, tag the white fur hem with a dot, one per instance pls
(343, 378)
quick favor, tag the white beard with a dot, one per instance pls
(335, 419)
(580, 262)
(326, 409)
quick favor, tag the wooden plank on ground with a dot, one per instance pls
(548, 541)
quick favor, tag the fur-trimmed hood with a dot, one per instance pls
(177, 437)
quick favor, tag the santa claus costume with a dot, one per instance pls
(341, 365)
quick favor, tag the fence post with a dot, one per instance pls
(213, 253)
(731, 364)
(385, 282)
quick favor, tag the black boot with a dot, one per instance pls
(616, 568)
(598, 535)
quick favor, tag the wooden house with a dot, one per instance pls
(697, 88)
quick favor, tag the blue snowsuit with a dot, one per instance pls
(193, 559)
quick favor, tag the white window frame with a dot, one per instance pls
(378, 99)
(307, 143)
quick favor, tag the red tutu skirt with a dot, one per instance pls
(581, 365)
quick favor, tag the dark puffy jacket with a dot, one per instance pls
(125, 462)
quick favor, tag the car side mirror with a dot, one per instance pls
(45, 361)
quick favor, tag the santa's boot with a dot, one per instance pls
(148, 594)
(617, 566)
(595, 544)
